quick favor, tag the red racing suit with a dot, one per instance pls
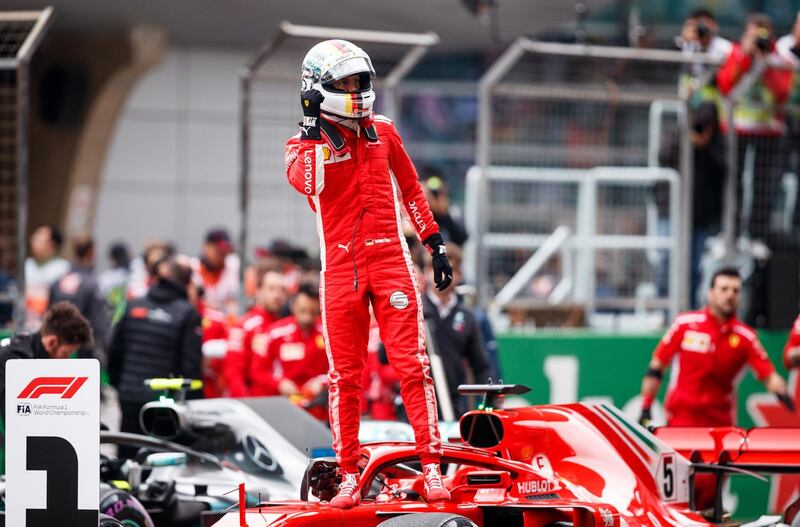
(793, 342)
(708, 359)
(290, 353)
(215, 336)
(356, 190)
(248, 334)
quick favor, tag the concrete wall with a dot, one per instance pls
(173, 167)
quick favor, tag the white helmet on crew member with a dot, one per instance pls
(332, 60)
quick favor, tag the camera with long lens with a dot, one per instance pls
(704, 117)
(703, 31)
(763, 40)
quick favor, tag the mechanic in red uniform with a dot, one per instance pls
(708, 351)
(292, 360)
(791, 352)
(250, 331)
(352, 166)
(215, 342)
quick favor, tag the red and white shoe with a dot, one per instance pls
(434, 488)
(348, 495)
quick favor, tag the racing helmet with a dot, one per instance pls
(330, 61)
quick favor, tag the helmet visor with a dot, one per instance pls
(348, 67)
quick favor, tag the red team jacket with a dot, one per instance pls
(708, 358)
(793, 342)
(242, 340)
(215, 331)
(288, 353)
(367, 200)
(759, 110)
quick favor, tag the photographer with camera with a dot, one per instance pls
(710, 168)
(757, 79)
(700, 35)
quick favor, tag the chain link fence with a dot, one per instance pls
(745, 137)
(20, 34)
(733, 139)
(577, 108)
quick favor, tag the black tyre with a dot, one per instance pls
(108, 521)
(122, 506)
(434, 519)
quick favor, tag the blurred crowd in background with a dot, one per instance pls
(251, 330)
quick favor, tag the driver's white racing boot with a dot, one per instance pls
(348, 495)
(434, 488)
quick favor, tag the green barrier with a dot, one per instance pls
(587, 366)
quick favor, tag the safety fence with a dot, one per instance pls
(743, 129)
(20, 34)
(582, 243)
(270, 111)
(575, 106)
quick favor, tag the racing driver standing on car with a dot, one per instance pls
(352, 166)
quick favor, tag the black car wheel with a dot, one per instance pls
(122, 506)
(434, 519)
(108, 521)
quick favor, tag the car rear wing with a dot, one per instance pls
(769, 449)
(731, 450)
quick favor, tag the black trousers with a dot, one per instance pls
(130, 424)
(759, 160)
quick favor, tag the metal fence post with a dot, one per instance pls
(731, 184)
(680, 283)
(20, 65)
(245, 88)
(483, 153)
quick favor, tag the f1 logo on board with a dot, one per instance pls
(66, 387)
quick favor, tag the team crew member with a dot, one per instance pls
(352, 166)
(791, 352)
(214, 343)
(79, 287)
(708, 350)
(455, 332)
(292, 359)
(158, 336)
(42, 269)
(217, 272)
(250, 332)
(62, 333)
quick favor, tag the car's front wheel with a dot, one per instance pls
(108, 521)
(433, 519)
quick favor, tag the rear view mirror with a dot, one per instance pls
(160, 419)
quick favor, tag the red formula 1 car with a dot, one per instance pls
(541, 466)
